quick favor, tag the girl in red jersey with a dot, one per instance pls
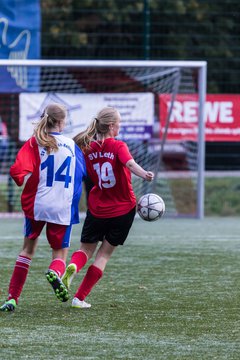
(111, 201)
(52, 167)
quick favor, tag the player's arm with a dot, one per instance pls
(24, 163)
(139, 171)
(126, 158)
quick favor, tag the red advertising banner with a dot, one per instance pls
(221, 116)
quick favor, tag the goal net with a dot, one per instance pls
(162, 109)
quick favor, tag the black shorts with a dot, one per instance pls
(115, 230)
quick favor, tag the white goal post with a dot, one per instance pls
(162, 108)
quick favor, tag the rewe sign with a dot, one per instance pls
(221, 116)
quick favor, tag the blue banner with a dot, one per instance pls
(19, 39)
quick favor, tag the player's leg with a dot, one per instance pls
(59, 239)
(115, 232)
(78, 259)
(87, 248)
(32, 230)
(93, 275)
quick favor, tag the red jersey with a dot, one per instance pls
(112, 194)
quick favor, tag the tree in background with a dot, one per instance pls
(162, 30)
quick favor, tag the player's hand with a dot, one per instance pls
(149, 176)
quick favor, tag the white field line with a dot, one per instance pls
(189, 174)
(20, 215)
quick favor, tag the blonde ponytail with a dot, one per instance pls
(54, 114)
(98, 127)
(84, 138)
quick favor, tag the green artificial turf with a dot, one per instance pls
(171, 292)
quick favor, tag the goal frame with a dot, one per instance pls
(201, 66)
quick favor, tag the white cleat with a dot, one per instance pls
(76, 303)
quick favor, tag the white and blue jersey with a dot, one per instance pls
(54, 185)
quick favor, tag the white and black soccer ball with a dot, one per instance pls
(150, 207)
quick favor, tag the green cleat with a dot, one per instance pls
(10, 305)
(58, 287)
(69, 274)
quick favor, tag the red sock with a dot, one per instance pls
(79, 258)
(59, 266)
(92, 276)
(19, 277)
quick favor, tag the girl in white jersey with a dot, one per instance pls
(52, 168)
(111, 201)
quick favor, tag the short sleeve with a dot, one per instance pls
(124, 154)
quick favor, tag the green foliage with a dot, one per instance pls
(222, 196)
(123, 29)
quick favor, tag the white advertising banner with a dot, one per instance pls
(136, 109)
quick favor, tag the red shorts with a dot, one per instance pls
(58, 235)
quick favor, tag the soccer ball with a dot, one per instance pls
(150, 207)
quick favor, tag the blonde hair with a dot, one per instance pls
(53, 115)
(98, 126)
